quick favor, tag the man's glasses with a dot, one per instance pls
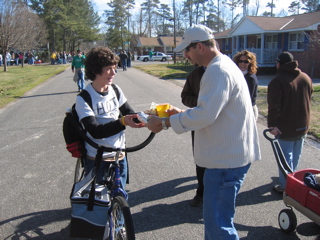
(187, 49)
(243, 61)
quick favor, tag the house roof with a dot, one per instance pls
(158, 41)
(169, 41)
(249, 25)
(222, 34)
(307, 20)
(258, 24)
(148, 41)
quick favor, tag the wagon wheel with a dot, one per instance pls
(287, 220)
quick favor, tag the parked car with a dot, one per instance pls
(157, 56)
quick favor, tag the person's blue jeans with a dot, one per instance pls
(105, 166)
(31, 61)
(292, 151)
(80, 81)
(124, 64)
(221, 187)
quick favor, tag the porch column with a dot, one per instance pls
(245, 42)
(233, 45)
(262, 49)
(237, 43)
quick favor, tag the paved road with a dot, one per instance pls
(37, 172)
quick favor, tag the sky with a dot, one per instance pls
(101, 5)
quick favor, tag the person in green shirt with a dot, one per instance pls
(77, 67)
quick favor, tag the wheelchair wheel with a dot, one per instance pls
(122, 223)
(79, 171)
(287, 220)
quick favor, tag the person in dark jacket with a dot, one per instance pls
(189, 97)
(123, 58)
(289, 105)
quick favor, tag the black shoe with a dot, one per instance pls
(196, 201)
(278, 189)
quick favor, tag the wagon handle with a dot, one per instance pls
(281, 160)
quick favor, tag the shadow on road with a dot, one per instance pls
(159, 216)
(49, 94)
(34, 223)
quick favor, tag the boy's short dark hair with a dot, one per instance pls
(98, 58)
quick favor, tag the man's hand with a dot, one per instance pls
(173, 110)
(154, 124)
(275, 131)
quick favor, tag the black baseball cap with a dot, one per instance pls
(285, 57)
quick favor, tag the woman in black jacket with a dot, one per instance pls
(247, 63)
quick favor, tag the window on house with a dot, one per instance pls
(226, 44)
(296, 41)
(271, 42)
(259, 42)
(241, 42)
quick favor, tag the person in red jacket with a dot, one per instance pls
(289, 105)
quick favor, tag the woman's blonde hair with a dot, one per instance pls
(253, 67)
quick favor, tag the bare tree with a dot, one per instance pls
(19, 28)
(313, 50)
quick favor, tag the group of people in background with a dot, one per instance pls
(61, 57)
(125, 60)
(78, 64)
(16, 58)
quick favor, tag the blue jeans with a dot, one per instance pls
(31, 61)
(124, 64)
(221, 187)
(292, 151)
(104, 166)
(80, 81)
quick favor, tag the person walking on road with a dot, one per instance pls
(123, 58)
(77, 67)
(226, 138)
(289, 105)
(151, 55)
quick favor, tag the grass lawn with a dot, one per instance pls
(16, 81)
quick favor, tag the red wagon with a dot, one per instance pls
(296, 195)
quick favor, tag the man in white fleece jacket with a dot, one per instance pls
(226, 137)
